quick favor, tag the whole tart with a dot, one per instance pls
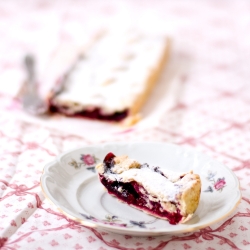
(113, 78)
(159, 192)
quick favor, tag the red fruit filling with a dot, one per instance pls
(92, 114)
(130, 193)
(108, 160)
(134, 194)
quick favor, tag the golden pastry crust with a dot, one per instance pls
(123, 163)
(151, 81)
(190, 197)
(134, 115)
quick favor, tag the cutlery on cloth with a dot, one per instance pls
(31, 101)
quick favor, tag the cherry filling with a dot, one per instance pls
(92, 114)
(134, 194)
(108, 162)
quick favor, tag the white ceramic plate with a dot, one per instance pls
(72, 184)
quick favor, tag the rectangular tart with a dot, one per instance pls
(113, 78)
(159, 192)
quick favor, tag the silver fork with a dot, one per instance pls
(31, 101)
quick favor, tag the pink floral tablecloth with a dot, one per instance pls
(209, 111)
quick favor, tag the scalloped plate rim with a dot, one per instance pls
(135, 231)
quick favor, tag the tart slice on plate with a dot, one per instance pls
(164, 194)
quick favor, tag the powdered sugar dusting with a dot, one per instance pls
(112, 72)
(154, 182)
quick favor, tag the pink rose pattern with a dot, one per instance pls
(87, 160)
(218, 184)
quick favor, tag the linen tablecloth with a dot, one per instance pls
(202, 101)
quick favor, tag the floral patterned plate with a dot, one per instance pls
(72, 184)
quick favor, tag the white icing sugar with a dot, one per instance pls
(112, 73)
(153, 182)
(173, 176)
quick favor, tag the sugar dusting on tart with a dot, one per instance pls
(113, 78)
(159, 192)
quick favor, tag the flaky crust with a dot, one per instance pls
(190, 198)
(187, 198)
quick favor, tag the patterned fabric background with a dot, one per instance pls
(210, 111)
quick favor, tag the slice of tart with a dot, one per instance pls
(159, 192)
(113, 78)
